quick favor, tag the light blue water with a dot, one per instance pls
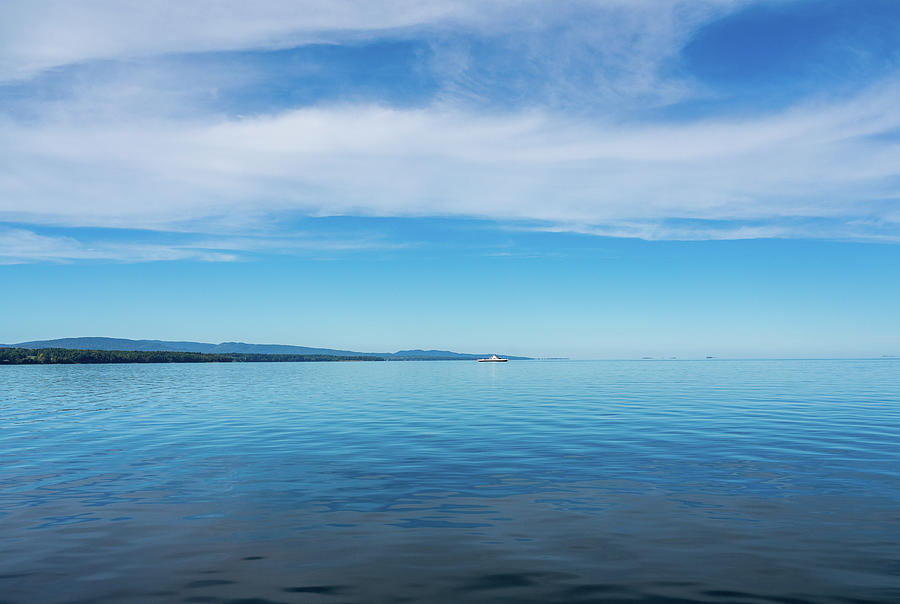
(711, 481)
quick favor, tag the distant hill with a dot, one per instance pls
(235, 347)
(69, 356)
(430, 354)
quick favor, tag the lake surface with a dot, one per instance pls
(633, 481)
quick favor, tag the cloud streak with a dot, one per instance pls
(834, 161)
(36, 35)
(536, 120)
(24, 246)
(42, 34)
(21, 246)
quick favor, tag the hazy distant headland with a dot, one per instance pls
(121, 350)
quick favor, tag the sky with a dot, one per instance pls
(586, 179)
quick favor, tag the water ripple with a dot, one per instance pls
(719, 481)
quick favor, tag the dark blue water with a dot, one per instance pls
(715, 481)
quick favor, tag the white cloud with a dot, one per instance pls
(23, 246)
(122, 155)
(41, 34)
(20, 246)
(36, 35)
(583, 55)
(812, 162)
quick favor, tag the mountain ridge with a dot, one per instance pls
(104, 343)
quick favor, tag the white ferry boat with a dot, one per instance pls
(493, 359)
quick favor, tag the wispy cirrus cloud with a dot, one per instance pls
(36, 35)
(836, 161)
(42, 34)
(21, 246)
(538, 114)
(24, 246)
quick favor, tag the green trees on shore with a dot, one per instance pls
(47, 356)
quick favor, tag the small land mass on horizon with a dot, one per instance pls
(70, 356)
(234, 350)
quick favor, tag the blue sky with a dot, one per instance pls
(603, 179)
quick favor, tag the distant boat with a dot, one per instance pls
(493, 359)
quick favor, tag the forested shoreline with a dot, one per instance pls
(54, 356)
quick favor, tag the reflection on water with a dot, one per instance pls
(716, 481)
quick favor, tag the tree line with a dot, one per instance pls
(49, 356)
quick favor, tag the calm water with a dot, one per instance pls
(714, 481)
